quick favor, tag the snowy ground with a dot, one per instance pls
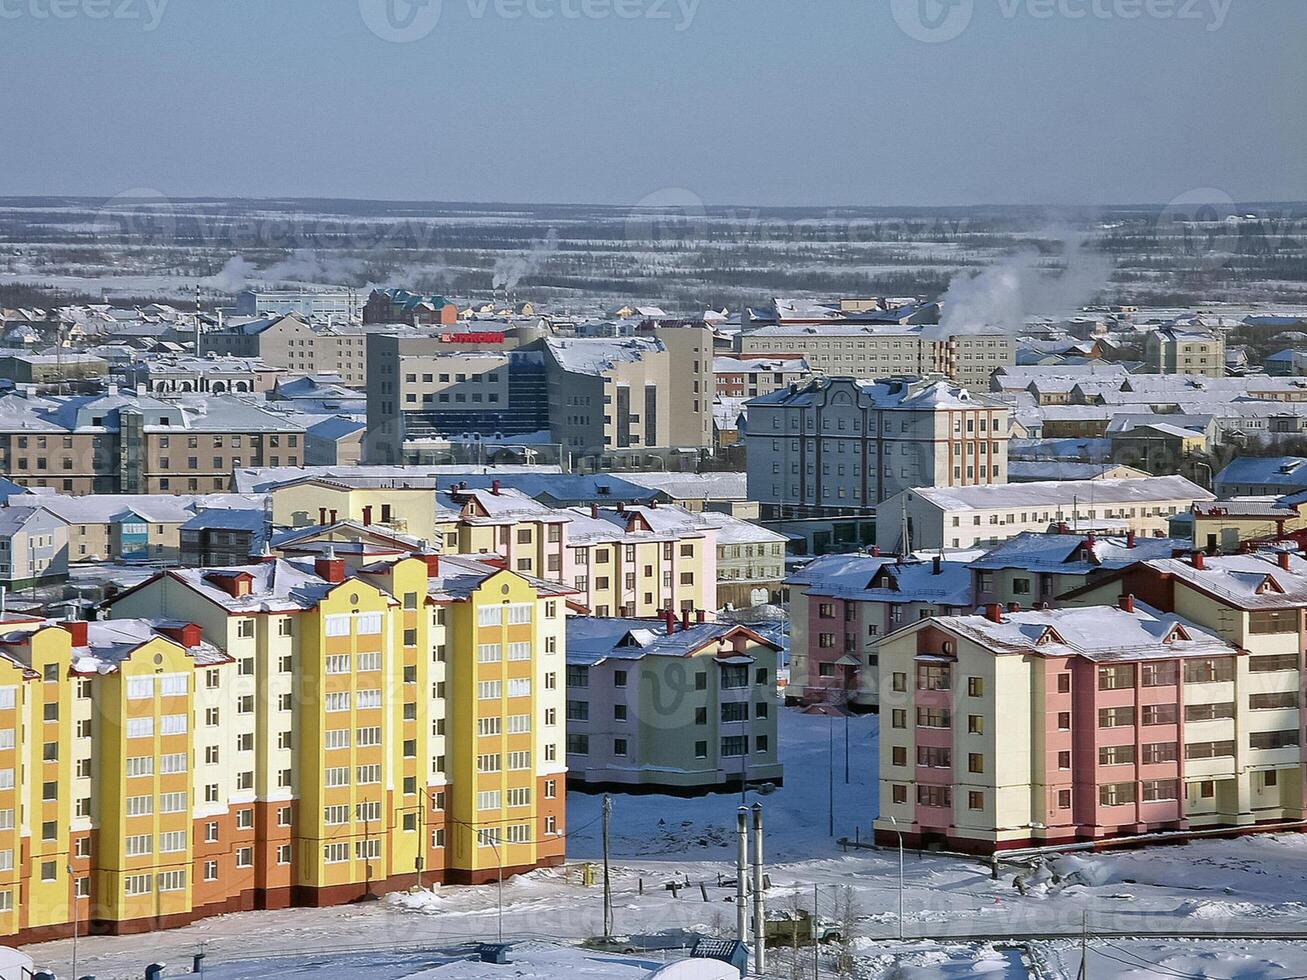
(1208, 890)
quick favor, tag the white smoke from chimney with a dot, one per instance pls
(998, 299)
(511, 269)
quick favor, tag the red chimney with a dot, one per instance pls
(669, 620)
(1062, 527)
(700, 616)
(1127, 603)
(594, 511)
(1200, 560)
(621, 507)
(494, 487)
(187, 634)
(367, 515)
(653, 505)
(1129, 539)
(685, 620)
(77, 630)
(1089, 540)
(329, 568)
(433, 563)
(875, 551)
(333, 517)
(1284, 560)
(322, 516)
(1014, 607)
(994, 612)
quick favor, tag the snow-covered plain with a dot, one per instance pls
(958, 921)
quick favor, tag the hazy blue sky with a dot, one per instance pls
(736, 101)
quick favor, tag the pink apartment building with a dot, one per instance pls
(1011, 728)
(842, 606)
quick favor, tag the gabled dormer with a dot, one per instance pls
(1176, 633)
(1049, 636)
(636, 522)
(884, 579)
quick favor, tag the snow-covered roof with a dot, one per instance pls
(592, 640)
(878, 579)
(1276, 471)
(599, 355)
(1097, 633)
(1075, 554)
(1064, 493)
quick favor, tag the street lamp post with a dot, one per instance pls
(900, 835)
(499, 860)
(76, 917)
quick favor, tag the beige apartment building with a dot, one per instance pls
(290, 342)
(841, 446)
(129, 443)
(873, 351)
(622, 396)
(1176, 350)
(968, 517)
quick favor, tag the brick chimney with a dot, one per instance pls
(700, 616)
(494, 487)
(1014, 607)
(669, 621)
(594, 511)
(187, 634)
(322, 516)
(1284, 560)
(1127, 603)
(76, 628)
(685, 620)
(433, 563)
(621, 507)
(994, 612)
(1199, 560)
(367, 515)
(1129, 539)
(875, 551)
(329, 568)
(937, 565)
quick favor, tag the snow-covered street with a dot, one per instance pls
(1213, 888)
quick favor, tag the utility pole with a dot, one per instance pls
(816, 947)
(759, 925)
(76, 917)
(1084, 947)
(608, 888)
(846, 740)
(741, 873)
(830, 775)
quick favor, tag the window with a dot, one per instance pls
(934, 718)
(975, 762)
(1158, 675)
(932, 757)
(1273, 740)
(935, 677)
(1286, 699)
(1209, 670)
(1063, 683)
(1265, 664)
(1116, 794)
(936, 796)
(1116, 678)
(975, 687)
(975, 801)
(1156, 790)
(975, 725)
(1160, 714)
(1116, 755)
(1160, 752)
(733, 746)
(1208, 712)
(1208, 750)
(1116, 717)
